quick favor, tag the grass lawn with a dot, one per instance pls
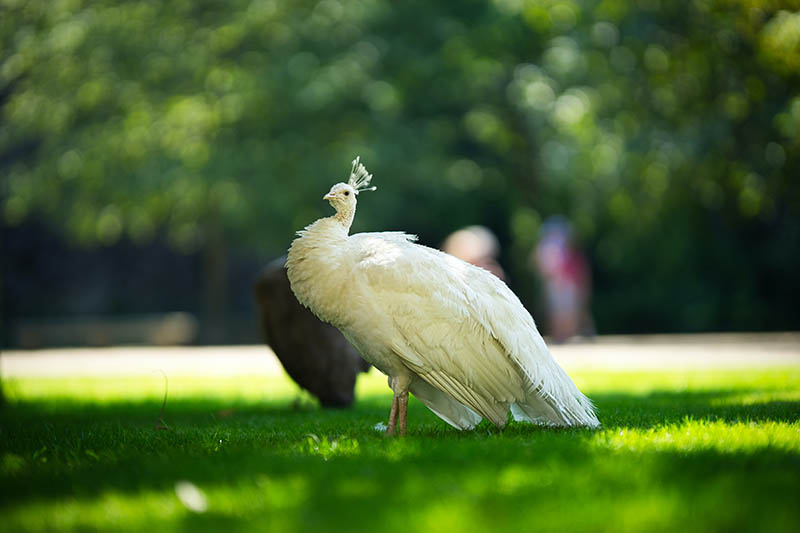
(688, 451)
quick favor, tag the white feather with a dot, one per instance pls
(456, 333)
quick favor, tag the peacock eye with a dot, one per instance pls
(347, 193)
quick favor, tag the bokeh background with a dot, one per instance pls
(155, 155)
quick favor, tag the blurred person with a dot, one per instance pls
(476, 245)
(565, 272)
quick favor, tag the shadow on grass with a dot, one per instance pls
(664, 407)
(630, 410)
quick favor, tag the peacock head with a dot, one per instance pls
(342, 196)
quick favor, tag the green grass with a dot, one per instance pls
(707, 451)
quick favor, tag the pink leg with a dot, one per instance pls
(393, 418)
(403, 411)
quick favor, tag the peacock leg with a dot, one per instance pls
(403, 411)
(390, 430)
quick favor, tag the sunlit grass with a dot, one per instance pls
(696, 451)
(137, 389)
(697, 436)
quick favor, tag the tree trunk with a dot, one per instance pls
(215, 283)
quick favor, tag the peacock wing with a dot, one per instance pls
(441, 312)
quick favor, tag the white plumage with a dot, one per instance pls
(452, 334)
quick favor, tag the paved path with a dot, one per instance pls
(603, 353)
(136, 360)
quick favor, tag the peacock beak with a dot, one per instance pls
(329, 196)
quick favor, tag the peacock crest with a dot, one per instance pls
(359, 177)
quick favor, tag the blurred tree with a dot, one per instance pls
(669, 133)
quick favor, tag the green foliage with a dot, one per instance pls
(668, 132)
(691, 451)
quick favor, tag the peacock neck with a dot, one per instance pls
(344, 216)
(317, 266)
